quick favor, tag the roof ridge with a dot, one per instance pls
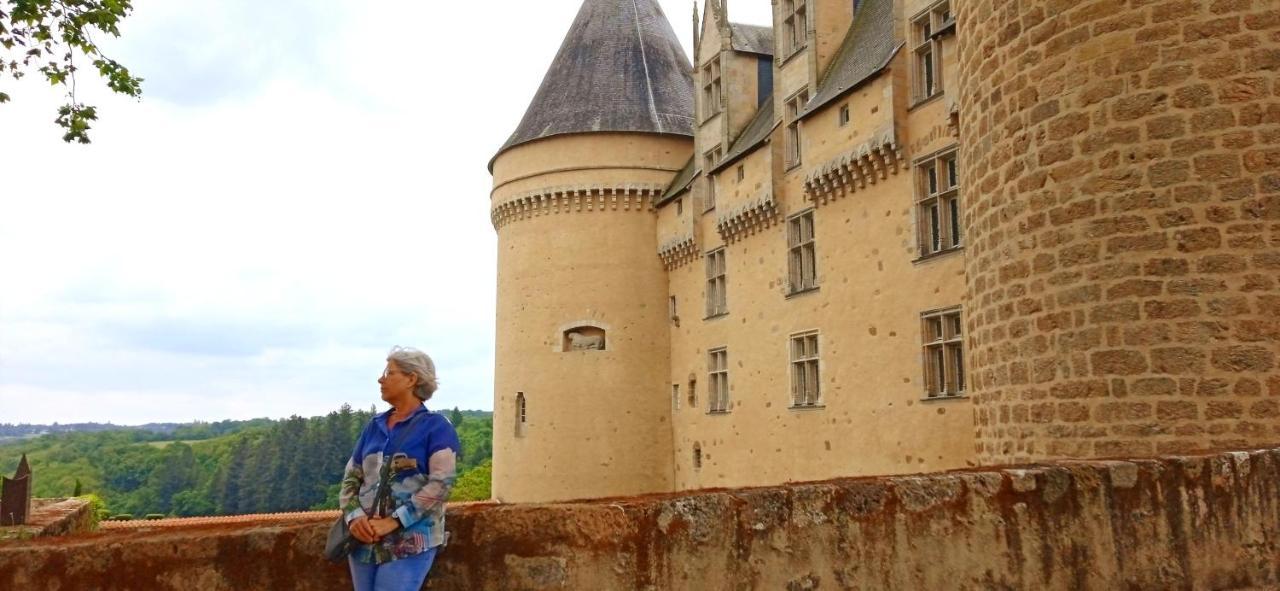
(644, 59)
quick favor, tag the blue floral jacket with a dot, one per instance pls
(420, 483)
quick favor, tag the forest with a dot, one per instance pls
(225, 467)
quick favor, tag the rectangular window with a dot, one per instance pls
(718, 378)
(716, 300)
(742, 172)
(802, 266)
(794, 105)
(795, 26)
(710, 159)
(938, 203)
(943, 334)
(844, 115)
(927, 32)
(712, 89)
(806, 388)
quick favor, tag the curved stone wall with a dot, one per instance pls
(1122, 161)
(577, 248)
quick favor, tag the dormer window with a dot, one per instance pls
(712, 89)
(709, 162)
(795, 105)
(927, 31)
(795, 29)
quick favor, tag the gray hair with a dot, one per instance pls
(416, 362)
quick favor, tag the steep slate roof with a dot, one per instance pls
(683, 179)
(756, 132)
(866, 49)
(752, 38)
(620, 68)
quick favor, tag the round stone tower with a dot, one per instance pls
(580, 402)
(1123, 206)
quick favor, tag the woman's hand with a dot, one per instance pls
(385, 525)
(362, 528)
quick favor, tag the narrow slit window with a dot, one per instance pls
(522, 416)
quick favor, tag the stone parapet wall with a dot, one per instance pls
(1197, 522)
(53, 517)
(1122, 166)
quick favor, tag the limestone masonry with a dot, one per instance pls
(887, 237)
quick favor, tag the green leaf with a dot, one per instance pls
(4, 98)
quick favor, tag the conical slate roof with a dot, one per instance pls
(620, 68)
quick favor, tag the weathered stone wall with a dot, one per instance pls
(1123, 206)
(1203, 522)
(53, 517)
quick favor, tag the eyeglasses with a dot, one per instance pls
(390, 372)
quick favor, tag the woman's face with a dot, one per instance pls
(396, 384)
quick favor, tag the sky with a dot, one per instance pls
(302, 186)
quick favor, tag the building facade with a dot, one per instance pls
(886, 237)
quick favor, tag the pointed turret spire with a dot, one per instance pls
(620, 68)
(697, 30)
(24, 469)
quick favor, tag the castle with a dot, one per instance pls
(887, 237)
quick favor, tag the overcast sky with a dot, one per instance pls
(302, 186)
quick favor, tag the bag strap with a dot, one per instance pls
(403, 433)
(384, 479)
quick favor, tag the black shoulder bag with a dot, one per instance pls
(340, 542)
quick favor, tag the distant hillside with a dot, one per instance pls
(9, 431)
(225, 467)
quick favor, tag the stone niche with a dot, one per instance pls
(583, 337)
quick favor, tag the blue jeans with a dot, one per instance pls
(405, 574)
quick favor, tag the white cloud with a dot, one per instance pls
(302, 186)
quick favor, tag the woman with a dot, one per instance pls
(398, 479)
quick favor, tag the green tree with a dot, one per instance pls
(475, 484)
(49, 36)
(456, 417)
(174, 473)
(194, 502)
(227, 483)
